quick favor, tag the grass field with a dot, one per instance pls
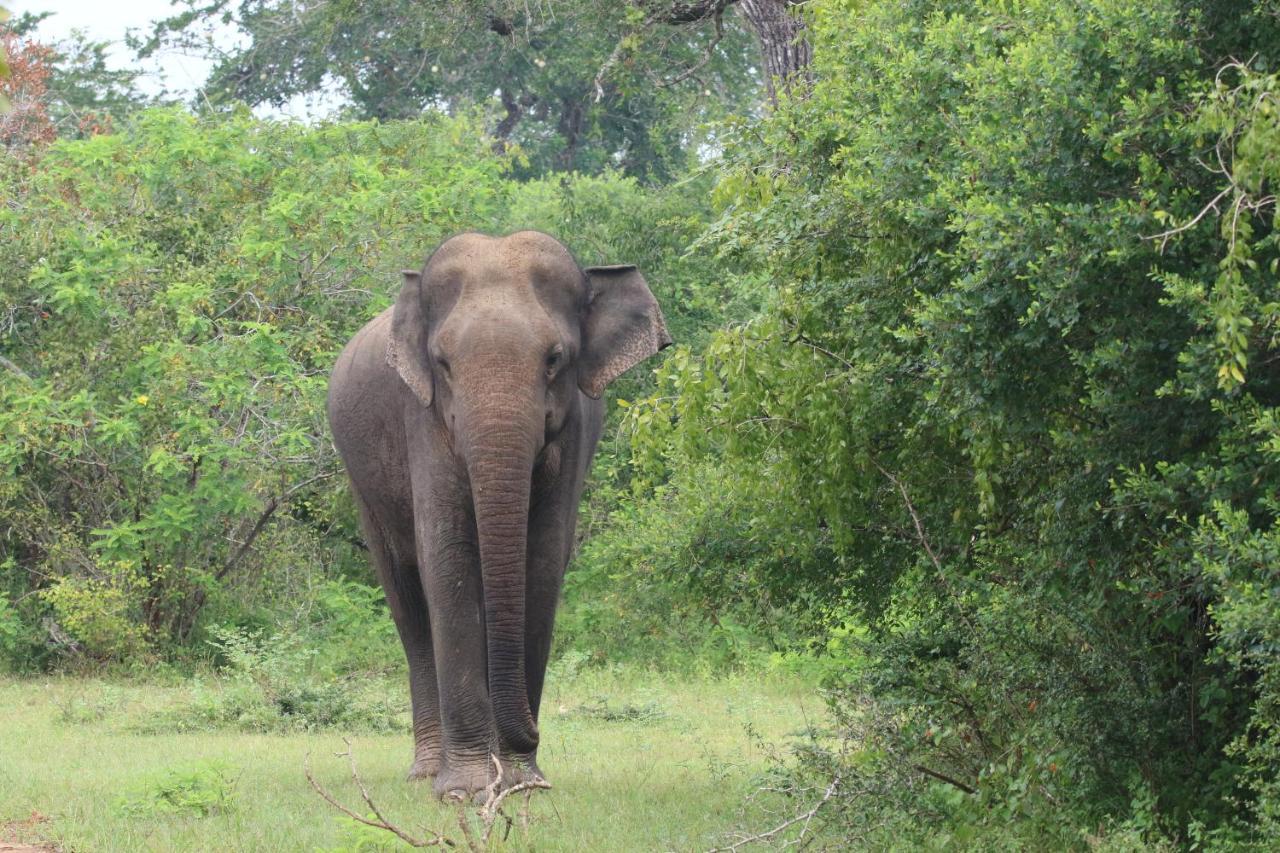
(638, 761)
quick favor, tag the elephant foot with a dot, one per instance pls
(457, 781)
(473, 779)
(518, 769)
(425, 767)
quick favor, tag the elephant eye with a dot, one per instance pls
(444, 365)
(553, 360)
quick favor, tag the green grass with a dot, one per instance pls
(640, 761)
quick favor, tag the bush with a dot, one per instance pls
(175, 295)
(688, 580)
(1011, 405)
(272, 684)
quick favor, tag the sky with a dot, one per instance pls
(181, 75)
(105, 20)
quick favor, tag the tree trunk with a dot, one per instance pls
(783, 45)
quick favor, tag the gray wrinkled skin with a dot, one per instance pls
(467, 415)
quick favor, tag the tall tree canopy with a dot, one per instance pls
(576, 85)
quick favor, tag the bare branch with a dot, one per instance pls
(924, 542)
(14, 369)
(1165, 236)
(379, 822)
(915, 517)
(259, 525)
(805, 818)
(942, 777)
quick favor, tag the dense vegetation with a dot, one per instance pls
(974, 411)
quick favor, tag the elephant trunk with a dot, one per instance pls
(500, 463)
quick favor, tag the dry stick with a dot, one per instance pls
(806, 818)
(381, 822)
(924, 541)
(493, 803)
(524, 813)
(465, 826)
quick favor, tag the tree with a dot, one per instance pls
(784, 45)
(79, 94)
(1011, 410)
(533, 66)
(778, 26)
(25, 122)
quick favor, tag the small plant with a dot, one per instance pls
(81, 707)
(600, 709)
(567, 666)
(97, 611)
(202, 790)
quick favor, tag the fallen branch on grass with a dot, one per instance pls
(380, 822)
(805, 818)
(489, 812)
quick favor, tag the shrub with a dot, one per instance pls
(202, 789)
(176, 293)
(271, 684)
(1011, 405)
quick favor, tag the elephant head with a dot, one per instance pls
(496, 337)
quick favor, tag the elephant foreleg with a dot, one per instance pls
(551, 524)
(397, 568)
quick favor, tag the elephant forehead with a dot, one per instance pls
(477, 261)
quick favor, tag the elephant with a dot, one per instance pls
(466, 416)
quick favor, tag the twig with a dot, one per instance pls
(915, 517)
(1165, 236)
(924, 541)
(380, 822)
(494, 798)
(801, 339)
(806, 819)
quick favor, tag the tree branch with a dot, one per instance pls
(14, 369)
(703, 60)
(379, 822)
(272, 506)
(692, 13)
(942, 777)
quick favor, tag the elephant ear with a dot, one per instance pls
(407, 349)
(621, 327)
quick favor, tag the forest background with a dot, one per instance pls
(973, 415)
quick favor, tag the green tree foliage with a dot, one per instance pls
(578, 86)
(1001, 420)
(174, 296)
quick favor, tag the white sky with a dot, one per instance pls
(109, 20)
(104, 20)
